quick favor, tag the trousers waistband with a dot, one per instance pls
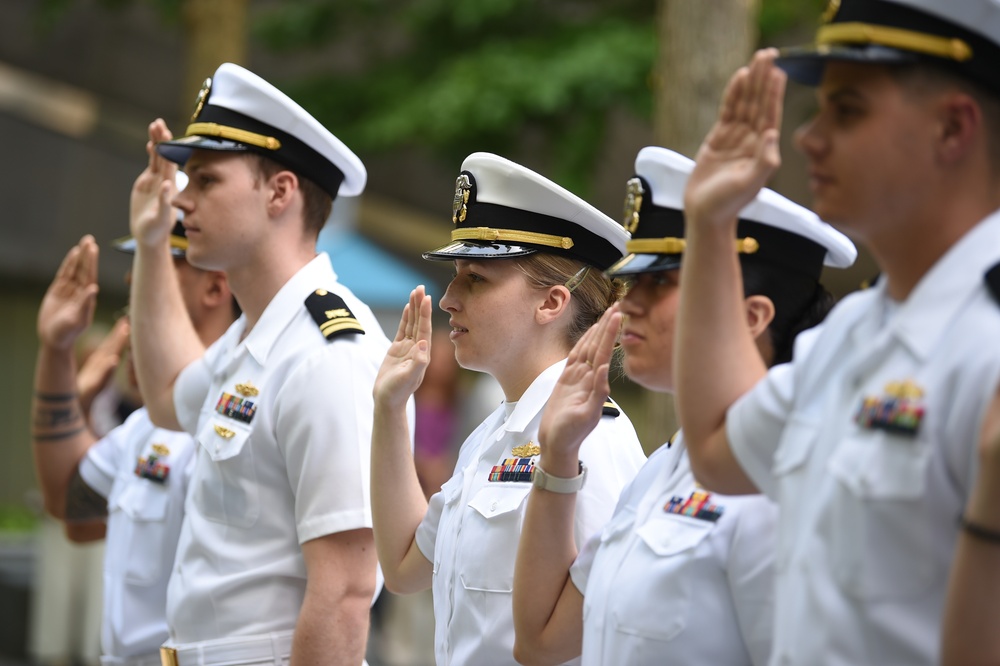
(144, 660)
(274, 648)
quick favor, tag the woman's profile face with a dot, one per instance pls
(650, 309)
(491, 308)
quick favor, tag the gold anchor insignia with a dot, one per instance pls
(526, 450)
(832, 7)
(460, 207)
(247, 389)
(202, 98)
(633, 202)
(339, 312)
(224, 432)
(161, 450)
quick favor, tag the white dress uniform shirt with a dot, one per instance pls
(868, 512)
(470, 532)
(143, 471)
(679, 575)
(297, 470)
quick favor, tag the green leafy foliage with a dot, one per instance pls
(16, 518)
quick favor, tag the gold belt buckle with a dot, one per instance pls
(168, 656)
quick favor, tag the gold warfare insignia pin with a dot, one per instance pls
(202, 98)
(224, 432)
(907, 389)
(247, 389)
(161, 450)
(633, 202)
(460, 206)
(526, 450)
(832, 7)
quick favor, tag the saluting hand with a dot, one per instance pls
(741, 151)
(97, 371)
(574, 408)
(151, 217)
(68, 306)
(403, 368)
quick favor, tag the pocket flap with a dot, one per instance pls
(223, 438)
(674, 534)
(497, 499)
(796, 444)
(143, 500)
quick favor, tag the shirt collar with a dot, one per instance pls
(947, 287)
(287, 304)
(534, 399)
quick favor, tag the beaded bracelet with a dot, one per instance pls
(979, 532)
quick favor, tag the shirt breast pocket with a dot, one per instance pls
(660, 572)
(878, 527)
(144, 505)
(490, 536)
(227, 488)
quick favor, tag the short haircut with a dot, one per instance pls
(316, 204)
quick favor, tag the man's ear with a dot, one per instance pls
(556, 301)
(282, 187)
(760, 313)
(961, 126)
(216, 290)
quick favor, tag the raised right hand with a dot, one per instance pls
(403, 368)
(151, 217)
(68, 305)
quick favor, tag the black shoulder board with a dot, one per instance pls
(332, 314)
(992, 278)
(673, 438)
(610, 408)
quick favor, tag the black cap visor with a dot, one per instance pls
(805, 64)
(179, 150)
(473, 251)
(633, 264)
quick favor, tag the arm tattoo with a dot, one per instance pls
(57, 416)
(83, 502)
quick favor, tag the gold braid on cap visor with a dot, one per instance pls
(671, 245)
(908, 40)
(233, 134)
(511, 236)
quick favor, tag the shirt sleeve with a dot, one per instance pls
(613, 456)
(750, 571)
(323, 420)
(579, 571)
(190, 391)
(100, 465)
(755, 422)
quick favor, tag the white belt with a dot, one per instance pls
(275, 647)
(143, 660)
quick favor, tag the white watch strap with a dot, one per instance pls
(557, 484)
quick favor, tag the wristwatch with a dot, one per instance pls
(556, 484)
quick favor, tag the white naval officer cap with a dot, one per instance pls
(236, 110)
(771, 229)
(502, 210)
(178, 235)
(962, 35)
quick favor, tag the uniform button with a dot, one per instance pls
(493, 507)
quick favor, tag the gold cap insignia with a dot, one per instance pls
(633, 202)
(460, 206)
(161, 450)
(526, 450)
(224, 432)
(202, 98)
(832, 7)
(247, 389)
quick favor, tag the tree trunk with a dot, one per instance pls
(216, 32)
(701, 44)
